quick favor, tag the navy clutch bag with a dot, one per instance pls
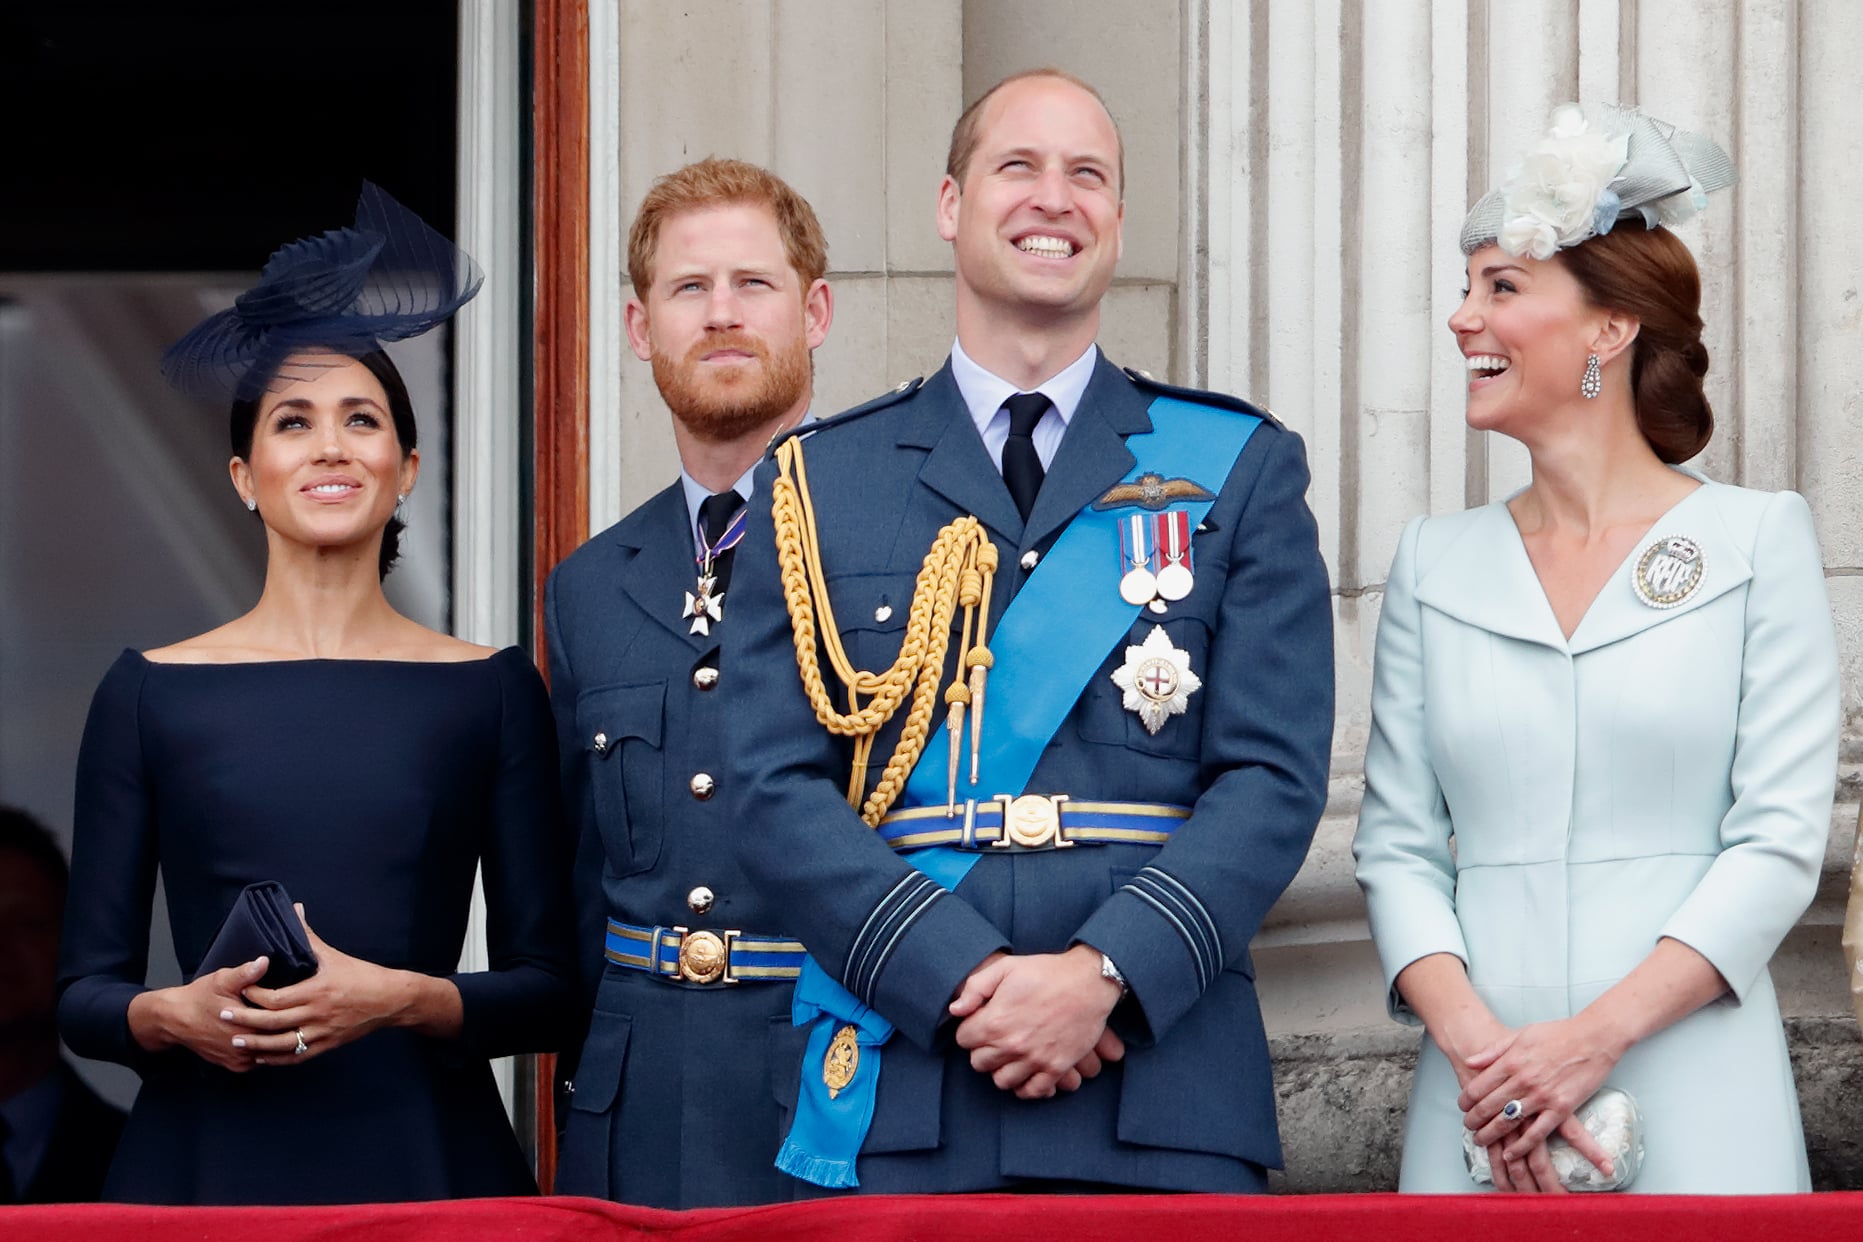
(262, 922)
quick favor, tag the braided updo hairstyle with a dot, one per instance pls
(244, 420)
(1650, 274)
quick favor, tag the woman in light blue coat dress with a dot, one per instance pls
(1605, 713)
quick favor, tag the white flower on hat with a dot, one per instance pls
(1553, 197)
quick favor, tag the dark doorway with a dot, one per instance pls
(196, 136)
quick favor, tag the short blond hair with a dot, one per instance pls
(964, 135)
(714, 182)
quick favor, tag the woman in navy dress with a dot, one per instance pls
(327, 742)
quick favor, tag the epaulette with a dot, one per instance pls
(1222, 400)
(899, 392)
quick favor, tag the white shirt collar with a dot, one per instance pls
(696, 492)
(985, 392)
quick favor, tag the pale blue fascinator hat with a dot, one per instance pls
(1593, 166)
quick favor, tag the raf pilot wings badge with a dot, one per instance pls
(1151, 491)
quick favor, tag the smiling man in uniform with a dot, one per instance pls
(1101, 749)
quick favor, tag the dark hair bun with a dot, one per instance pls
(391, 544)
(1650, 274)
(1672, 407)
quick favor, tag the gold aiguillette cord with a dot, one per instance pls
(958, 571)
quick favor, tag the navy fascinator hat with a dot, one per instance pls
(386, 278)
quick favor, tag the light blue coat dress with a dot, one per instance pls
(1665, 772)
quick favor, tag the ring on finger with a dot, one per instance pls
(302, 1047)
(1510, 1111)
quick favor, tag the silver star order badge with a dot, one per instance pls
(705, 609)
(1157, 680)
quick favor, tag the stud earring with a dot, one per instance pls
(1593, 383)
(252, 506)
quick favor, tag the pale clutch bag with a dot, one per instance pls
(1612, 1117)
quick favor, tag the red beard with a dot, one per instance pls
(726, 406)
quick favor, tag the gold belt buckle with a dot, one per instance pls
(1032, 822)
(705, 956)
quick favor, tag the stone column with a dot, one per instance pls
(1344, 140)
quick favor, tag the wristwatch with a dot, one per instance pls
(1110, 971)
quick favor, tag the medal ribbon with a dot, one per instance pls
(1040, 672)
(1136, 543)
(733, 534)
(1174, 537)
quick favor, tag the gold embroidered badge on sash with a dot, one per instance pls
(842, 1061)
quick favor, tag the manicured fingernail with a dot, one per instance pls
(238, 1042)
(226, 1015)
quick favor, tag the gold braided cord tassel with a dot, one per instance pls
(958, 571)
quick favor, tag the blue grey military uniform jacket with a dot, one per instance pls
(1192, 1106)
(673, 1103)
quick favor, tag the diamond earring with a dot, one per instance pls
(401, 500)
(252, 506)
(1593, 383)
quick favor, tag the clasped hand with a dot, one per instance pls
(345, 1000)
(226, 1018)
(1036, 1023)
(1550, 1068)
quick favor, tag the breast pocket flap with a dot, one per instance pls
(607, 717)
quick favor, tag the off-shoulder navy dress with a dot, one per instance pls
(372, 790)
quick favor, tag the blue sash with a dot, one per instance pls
(1028, 699)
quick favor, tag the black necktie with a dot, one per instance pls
(1022, 469)
(715, 514)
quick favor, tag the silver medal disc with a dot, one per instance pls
(1138, 586)
(1174, 581)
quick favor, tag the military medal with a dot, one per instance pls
(1669, 572)
(1156, 680)
(1154, 558)
(1174, 577)
(1137, 584)
(704, 608)
(1154, 546)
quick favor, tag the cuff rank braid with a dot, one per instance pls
(1170, 897)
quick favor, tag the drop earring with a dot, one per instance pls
(401, 515)
(1593, 383)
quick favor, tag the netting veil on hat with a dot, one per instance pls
(386, 278)
(1590, 168)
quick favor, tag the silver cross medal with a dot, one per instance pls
(704, 608)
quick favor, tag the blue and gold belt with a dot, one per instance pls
(702, 956)
(1032, 822)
